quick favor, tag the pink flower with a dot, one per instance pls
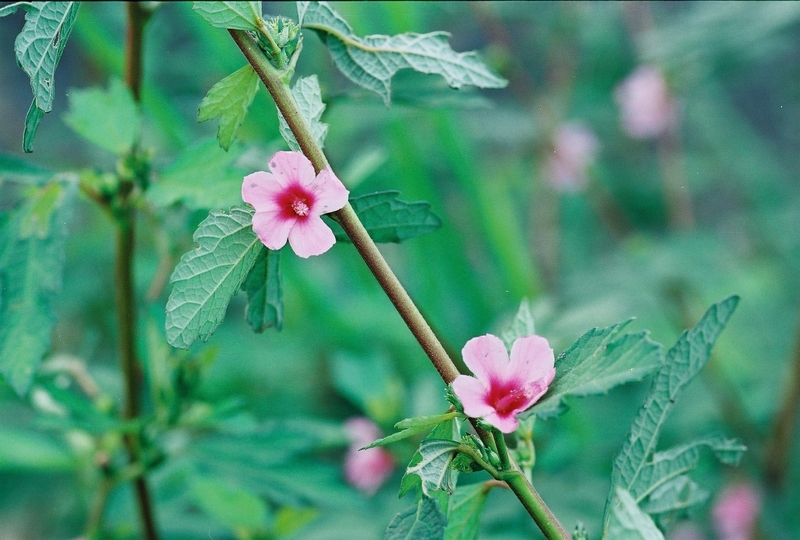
(501, 389)
(289, 202)
(366, 470)
(736, 511)
(648, 109)
(574, 149)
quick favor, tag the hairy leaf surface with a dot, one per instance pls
(598, 361)
(264, 292)
(372, 61)
(108, 118)
(237, 15)
(229, 99)
(388, 219)
(308, 96)
(31, 263)
(206, 278)
(423, 521)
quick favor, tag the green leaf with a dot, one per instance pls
(289, 520)
(229, 504)
(434, 468)
(32, 121)
(238, 15)
(596, 362)
(372, 61)
(13, 168)
(449, 430)
(635, 473)
(678, 494)
(412, 426)
(522, 325)
(388, 219)
(464, 511)
(32, 451)
(205, 279)
(308, 96)
(12, 8)
(108, 118)
(202, 178)
(229, 100)
(264, 292)
(370, 383)
(628, 522)
(31, 263)
(423, 521)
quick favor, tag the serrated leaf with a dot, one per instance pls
(598, 361)
(108, 118)
(388, 219)
(464, 511)
(629, 522)
(308, 97)
(237, 15)
(423, 521)
(31, 263)
(206, 278)
(264, 292)
(229, 504)
(372, 61)
(634, 471)
(203, 177)
(449, 430)
(522, 325)
(434, 468)
(679, 494)
(229, 100)
(412, 426)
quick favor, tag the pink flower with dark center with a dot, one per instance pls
(647, 106)
(289, 202)
(503, 387)
(366, 470)
(736, 511)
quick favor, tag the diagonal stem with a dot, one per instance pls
(365, 246)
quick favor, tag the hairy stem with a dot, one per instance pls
(354, 229)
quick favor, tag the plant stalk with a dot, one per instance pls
(365, 246)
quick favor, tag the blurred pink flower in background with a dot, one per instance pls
(736, 511)
(503, 388)
(574, 149)
(289, 202)
(366, 470)
(648, 109)
(686, 531)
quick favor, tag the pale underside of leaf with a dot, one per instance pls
(308, 97)
(629, 522)
(434, 468)
(205, 279)
(236, 15)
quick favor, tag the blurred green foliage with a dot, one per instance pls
(585, 259)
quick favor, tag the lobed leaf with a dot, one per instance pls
(412, 426)
(598, 361)
(206, 278)
(308, 97)
(32, 245)
(229, 100)
(635, 473)
(388, 219)
(203, 177)
(108, 118)
(237, 15)
(423, 521)
(264, 292)
(463, 512)
(372, 61)
(434, 468)
(39, 47)
(522, 325)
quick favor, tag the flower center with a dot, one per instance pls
(300, 207)
(507, 400)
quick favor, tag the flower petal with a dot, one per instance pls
(260, 190)
(331, 193)
(272, 229)
(532, 359)
(472, 394)
(311, 236)
(505, 423)
(487, 357)
(292, 167)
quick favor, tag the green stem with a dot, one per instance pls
(354, 229)
(502, 450)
